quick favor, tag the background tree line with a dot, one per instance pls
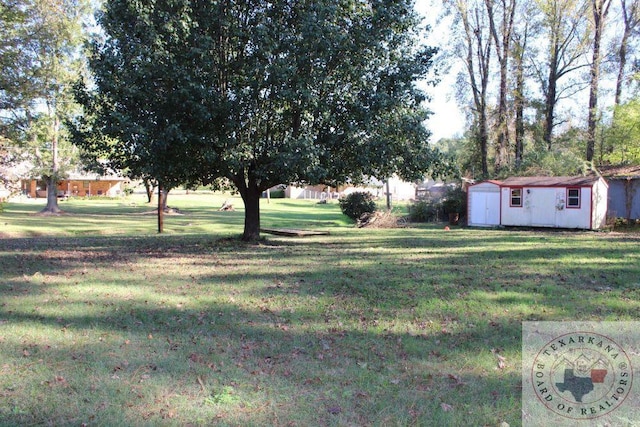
(246, 95)
(255, 94)
(548, 86)
(41, 56)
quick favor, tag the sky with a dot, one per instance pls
(447, 120)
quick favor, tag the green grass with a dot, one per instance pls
(104, 322)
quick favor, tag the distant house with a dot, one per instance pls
(624, 191)
(559, 202)
(78, 184)
(4, 193)
(399, 190)
(319, 192)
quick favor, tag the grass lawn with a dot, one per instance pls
(104, 322)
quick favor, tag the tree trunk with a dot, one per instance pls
(622, 58)
(478, 47)
(52, 196)
(251, 199)
(600, 9)
(631, 22)
(52, 179)
(550, 105)
(148, 186)
(388, 194)
(502, 35)
(563, 21)
(483, 140)
(250, 190)
(518, 97)
(161, 204)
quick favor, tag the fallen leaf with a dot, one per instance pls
(334, 410)
(501, 361)
(446, 407)
(457, 381)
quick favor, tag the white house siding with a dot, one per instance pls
(401, 190)
(293, 192)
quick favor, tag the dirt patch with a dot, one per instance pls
(381, 219)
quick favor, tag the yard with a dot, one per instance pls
(103, 322)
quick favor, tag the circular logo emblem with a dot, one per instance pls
(582, 375)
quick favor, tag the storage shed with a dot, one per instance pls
(559, 202)
(624, 191)
(483, 204)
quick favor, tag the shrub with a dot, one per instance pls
(277, 194)
(625, 223)
(455, 201)
(425, 211)
(356, 204)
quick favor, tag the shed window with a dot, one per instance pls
(573, 198)
(516, 197)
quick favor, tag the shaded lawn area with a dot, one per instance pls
(413, 326)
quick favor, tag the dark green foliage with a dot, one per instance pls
(620, 223)
(455, 201)
(357, 204)
(276, 194)
(256, 94)
(425, 211)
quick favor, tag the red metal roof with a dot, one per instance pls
(631, 171)
(550, 181)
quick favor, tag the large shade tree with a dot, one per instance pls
(259, 93)
(39, 54)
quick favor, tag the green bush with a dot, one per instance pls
(621, 223)
(425, 211)
(455, 201)
(356, 204)
(277, 194)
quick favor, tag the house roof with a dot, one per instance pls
(550, 181)
(626, 171)
(91, 176)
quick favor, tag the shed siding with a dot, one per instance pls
(599, 202)
(620, 193)
(547, 207)
(540, 202)
(483, 204)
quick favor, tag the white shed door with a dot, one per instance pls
(485, 208)
(543, 206)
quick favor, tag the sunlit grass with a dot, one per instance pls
(104, 322)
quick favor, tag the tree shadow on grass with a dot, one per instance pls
(355, 329)
(240, 366)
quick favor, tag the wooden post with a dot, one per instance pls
(160, 209)
(388, 196)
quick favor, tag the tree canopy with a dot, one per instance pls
(259, 93)
(39, 53)
(537, 79)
